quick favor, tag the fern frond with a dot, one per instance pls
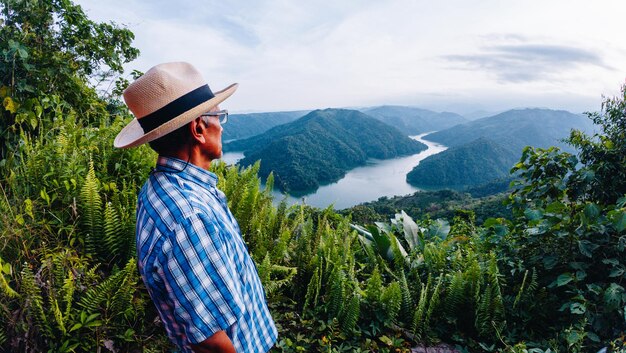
(455, 293)
(350, 315)
(91, 207)
(392, 300)
(374, 287)
(337, 293)
(418, 318)
(313, 291)
(406, 313)
(116, 243)
(33, 301)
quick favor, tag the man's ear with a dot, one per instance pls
(196, 128)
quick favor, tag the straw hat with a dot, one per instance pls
(165, 98)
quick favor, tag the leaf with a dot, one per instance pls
(563, 279)
(10, 105)
(591, 211)
(620, 221)
(386, 340)
(613, 295)
(577, 308)
(533, 215)
(587, 248)
(440, 229)
(411, 231)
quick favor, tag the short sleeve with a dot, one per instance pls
(201, 278)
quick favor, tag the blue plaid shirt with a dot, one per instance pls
(194, 262)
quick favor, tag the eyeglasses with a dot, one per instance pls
(222, 115)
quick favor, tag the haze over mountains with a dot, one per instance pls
(414, 121)
(321, 146)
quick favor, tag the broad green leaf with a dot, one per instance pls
(587, 248)
(533, 215)
(620, 222)
(613, 295)
(440, 229)
(616, 272)
(563, 279)
(591, 211)
(577, 308)
(411, 231)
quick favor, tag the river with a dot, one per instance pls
(378, 178)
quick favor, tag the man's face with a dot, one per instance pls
(213, 135)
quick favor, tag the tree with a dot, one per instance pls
(50, 48)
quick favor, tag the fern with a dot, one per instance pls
(116, 243)
(455, 293)
(374, 287)
(407, 301)
(350, 315)
(33, 301)
(313, 291)
(91, 207)
(419, 318)
(337, 293)
(392, 300)
(433, 303)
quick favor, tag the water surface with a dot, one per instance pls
(367, 183)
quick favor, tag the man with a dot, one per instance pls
(191, 255)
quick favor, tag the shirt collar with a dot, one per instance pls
(186, 170)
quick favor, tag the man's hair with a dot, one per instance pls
(171, 143)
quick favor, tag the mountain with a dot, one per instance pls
(413, 121)
(484, 150)
(515, 129)
(242, 126)
(321, 147)
(471, 164)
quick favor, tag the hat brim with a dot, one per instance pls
(133, 135)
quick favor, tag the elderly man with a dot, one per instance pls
(191, 254)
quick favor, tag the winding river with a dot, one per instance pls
(367, 183)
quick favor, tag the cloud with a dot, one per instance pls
(524, 62)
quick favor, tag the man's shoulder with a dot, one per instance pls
(166, 201)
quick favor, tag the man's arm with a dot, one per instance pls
(218, 343)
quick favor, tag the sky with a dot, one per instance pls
(465, 56)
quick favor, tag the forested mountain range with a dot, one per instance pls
(486, 149)
(321, 147)
(515, 129)
(242, 126)
(414, 121)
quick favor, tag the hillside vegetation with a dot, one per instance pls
(471, 164)
(550, 278)
(414, 121)
(321, 147)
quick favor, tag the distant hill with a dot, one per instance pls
(471, 164)
(242, 126)
(515, 129)
(321, 147)
(484, 150)
(414, 121)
